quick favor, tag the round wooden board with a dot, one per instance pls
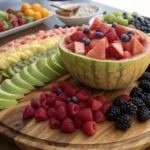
(30, 135)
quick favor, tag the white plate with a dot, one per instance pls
(23, 27)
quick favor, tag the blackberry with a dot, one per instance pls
(145, 86)
(113, 113)
(128, 108)
(146, 99)
(138, 102)
(143, 114)
(123, 122)
(145, 75)
(136, 92)
(119, 101)
(148, 68)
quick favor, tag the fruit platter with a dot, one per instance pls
(82, 87)
(13, 21)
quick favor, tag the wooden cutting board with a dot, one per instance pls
(30, 135)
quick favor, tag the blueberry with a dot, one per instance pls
(74, 99)
(105, 12)
(68, 99)
(99, 35)
(86, 41)
(124, 38)
(58, 91)
(130, 35)
(86, 30)
(130, 32)
(114, 24)
(148, 25)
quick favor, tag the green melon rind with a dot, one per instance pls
(33, 70)
(25, 75)
(8, 86)
(104, 74)
(5, 103)
(18, 81)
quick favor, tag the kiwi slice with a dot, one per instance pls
(23, 63)
(41, 55)
(10, 71)
(17, 68)
(34, 58)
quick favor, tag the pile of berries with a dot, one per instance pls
(68, 109)
(137, 103)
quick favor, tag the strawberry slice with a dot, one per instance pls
(68, 40)
(91, 35)
(121, 30)
(112, 36)
(104, 28)
(115, 50)
(71, 47)
(96, 23)
(106, 43)
(127, 46)
(137, 47)
(127, 54)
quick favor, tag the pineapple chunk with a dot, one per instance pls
(28, 53)
(3, 64)
(23, 56)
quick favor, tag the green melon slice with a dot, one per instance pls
(25, 75)
(6, 95)
(5, 103)
(43, 66)
(18, 81)
(32, 69)
(10, 87)
(58, 58)
(53, 63)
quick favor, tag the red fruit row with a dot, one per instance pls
(68, 116)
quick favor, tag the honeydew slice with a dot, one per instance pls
(5, 103)
(8, 86)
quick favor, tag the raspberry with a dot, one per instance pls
(105, 108)
(143, 114)
(29, 112)
(51, 99)
(72, 109)
(89, 128)
(35, 103)
(43, 97)
(41, 115)
(83, 95)
(82, 105)
(85, 114)
(138, 102)
(55, 86)
(113, 113)
(67, 126)
(102, 99)
(51, 112)
(60, 103)
(54, 123)
(96, 105)
(98, 117)
(145, 86)
(125, 97)
(62, 97)
(77, 122)
(123, 122)
(44, 104)
(61, 113)
(77, 36)
(146, 76)
(68, 88)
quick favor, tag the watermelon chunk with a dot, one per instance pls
(68, 40)
(93, 43)
(79, 48)
(85, 26)
(106, 43)
(96, 23)
(121, 30)
(127, 46)
(91, 35)
(137, 47)
(115, 50)
(112, 36)
(103, 28)
(142, 36)
(98, 51)
(127, 54)
(71, 47)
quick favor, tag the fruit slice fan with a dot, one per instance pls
(30, 62)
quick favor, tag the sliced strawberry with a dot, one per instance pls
(71, 47)
(121, 30)
(106, 43)
(104, 28)
(91, 35)
(87, 49)
(98, 51)
(127, 46)
(127, 54)
(96, 23)
(115, 50)
(112, 36)
(68, 40)
(79, 48)
(79, 29)
(137, 47)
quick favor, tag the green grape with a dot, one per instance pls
(117, 13)
(105, 18)
(111, 18)
(124, 22)
(119, 19)
(141, 18)
(134, 13)
(130, 18)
